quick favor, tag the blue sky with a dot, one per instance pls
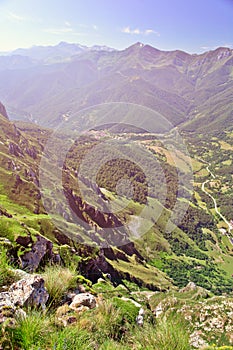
(190, 25)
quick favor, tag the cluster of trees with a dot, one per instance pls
(205, 275)
(193, 223)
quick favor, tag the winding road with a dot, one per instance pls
(215, 203)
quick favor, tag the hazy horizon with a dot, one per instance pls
(193, 27)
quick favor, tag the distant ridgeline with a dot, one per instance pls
(186, 89)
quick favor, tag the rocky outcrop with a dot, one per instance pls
(95, 268)
(129, 249)
(29, 292)
(32, 152)
(140, 317)
(114, 255)
(41, 250)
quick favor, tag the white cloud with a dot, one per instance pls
(14, 17)
(68, 24)
(127, 30)
(95, 27)
(137, 31)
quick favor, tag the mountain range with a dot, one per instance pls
(55, 193)
(48, 84)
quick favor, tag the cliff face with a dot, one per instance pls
(3, 110)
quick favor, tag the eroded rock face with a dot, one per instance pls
(40, 249)
(94, 269)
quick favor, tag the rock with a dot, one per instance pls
(158, 310)
(81, 288)
(31, 152)
(5, 213)
(24, 240)
(140, 317)
(95, 268)
(15, 149)
(101, 280)
(191, 286)
(83, 299)
(20, 274)
(29, 291)
(64, 316)
(40, 249)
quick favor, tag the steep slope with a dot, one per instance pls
(156, 260)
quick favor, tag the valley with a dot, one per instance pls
(116, 181)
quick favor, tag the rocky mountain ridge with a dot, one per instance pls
(184, 88)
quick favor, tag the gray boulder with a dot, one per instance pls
(29, 291)
(83, 299)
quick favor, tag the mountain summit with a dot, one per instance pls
(186, 89)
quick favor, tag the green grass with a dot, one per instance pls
(6, 273)
(29, 333)
(148, 275)
(58, 280)
(168, 334)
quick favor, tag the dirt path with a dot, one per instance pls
(215, 203)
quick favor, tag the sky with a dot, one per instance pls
(190, 25)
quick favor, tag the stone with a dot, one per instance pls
(140, 317)
(83, 299)
(29, 291)
(158, 310)
(191, 286)
(40, 249)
